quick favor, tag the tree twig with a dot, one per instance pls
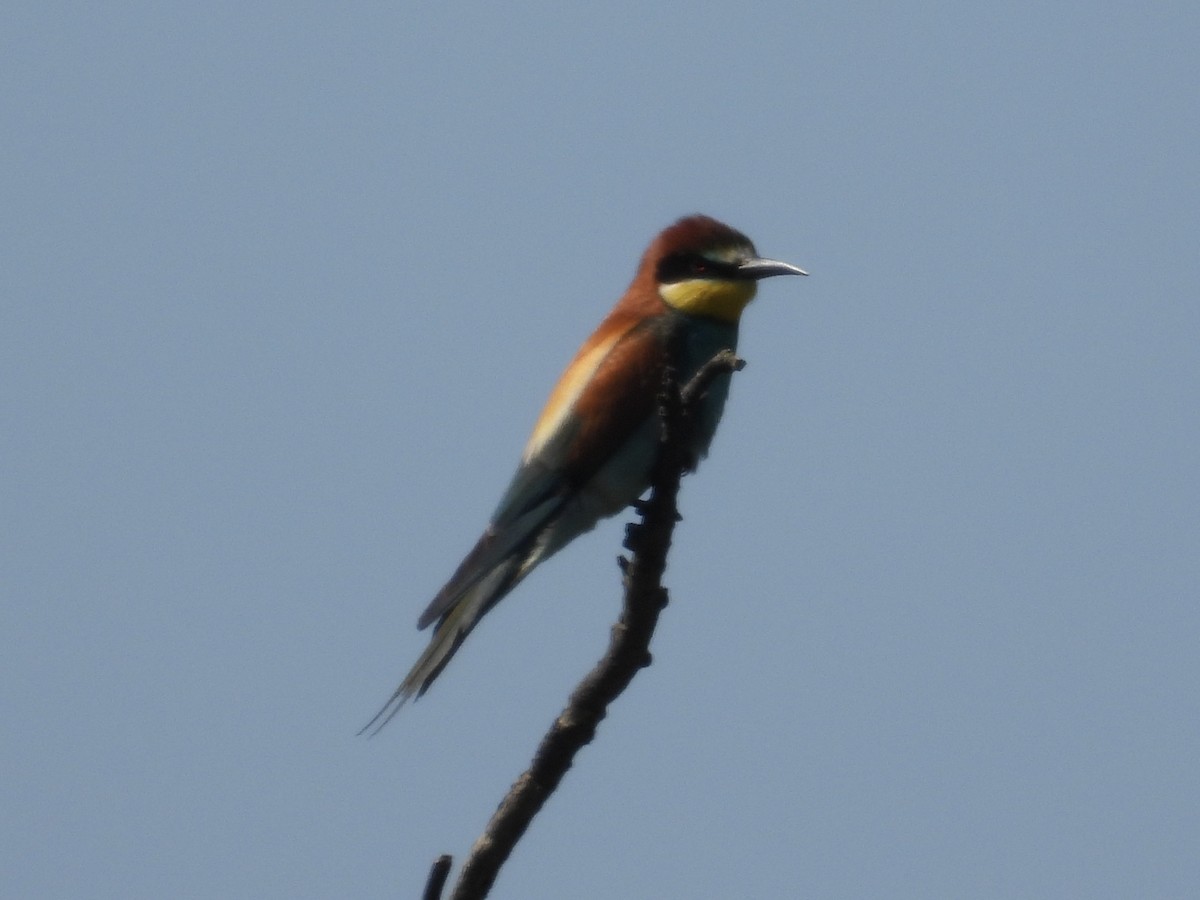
(437, 877)
(629, 644)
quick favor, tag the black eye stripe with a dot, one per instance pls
(682, 266)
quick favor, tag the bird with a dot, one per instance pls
(595, 442)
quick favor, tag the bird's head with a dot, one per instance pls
(705, 268)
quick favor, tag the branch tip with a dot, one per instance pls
(437, 877)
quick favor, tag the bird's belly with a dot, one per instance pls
(617, 484)
(623, 478)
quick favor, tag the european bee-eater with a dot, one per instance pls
(594, 444)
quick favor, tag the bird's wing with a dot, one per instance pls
(607, 391)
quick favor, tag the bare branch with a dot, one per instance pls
(629, 644)
(437, 877)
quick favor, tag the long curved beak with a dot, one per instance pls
(764, 268)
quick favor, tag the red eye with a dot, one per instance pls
(699, 266)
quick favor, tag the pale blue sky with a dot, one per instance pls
(284, 287)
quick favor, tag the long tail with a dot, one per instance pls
(451, 630)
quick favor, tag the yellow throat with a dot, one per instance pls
(709, 297)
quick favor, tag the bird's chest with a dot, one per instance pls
(696, 344)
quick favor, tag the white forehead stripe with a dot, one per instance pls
(732, 254)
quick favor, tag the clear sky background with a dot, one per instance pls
(283, 289)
